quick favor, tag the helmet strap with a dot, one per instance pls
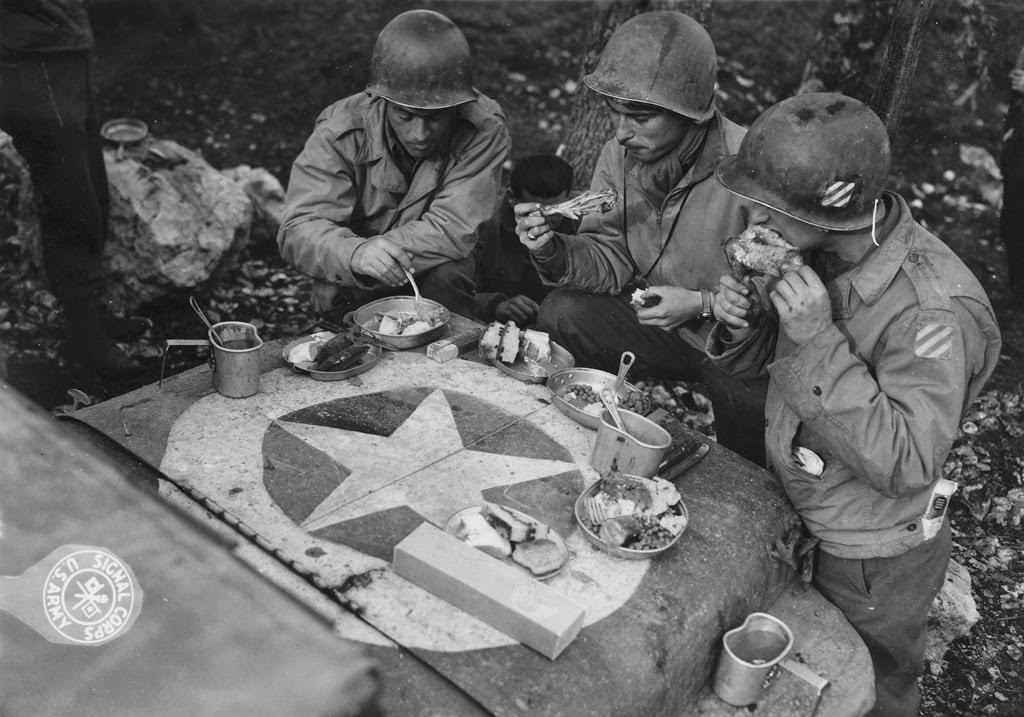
(874, 213)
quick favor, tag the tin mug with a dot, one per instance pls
(637, 451)
(749, 655)
(235, 358)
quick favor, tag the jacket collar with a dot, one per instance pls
(874, 275)
(711, 151)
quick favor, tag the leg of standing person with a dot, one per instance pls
(52, 123)
(887, 601)
(597, 328)
(1011, 231)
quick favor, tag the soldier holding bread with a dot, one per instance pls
(875, 345)
(657, 75)
(404, 176)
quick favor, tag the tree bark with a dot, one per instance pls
(900, 60)
(589, 124)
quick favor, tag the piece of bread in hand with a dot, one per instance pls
(761, 250)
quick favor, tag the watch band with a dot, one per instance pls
(706, 302)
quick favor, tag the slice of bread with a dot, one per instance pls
(491, 340)
(539, 556)
(510, 343)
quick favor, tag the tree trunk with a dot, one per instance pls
(900, 61)
(589, 124)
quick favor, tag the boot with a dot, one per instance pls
(88, 342)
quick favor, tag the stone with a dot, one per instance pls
(175, 222)
(267, 196)
(16, 192)
(953, 614)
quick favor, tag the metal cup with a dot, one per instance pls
(637, 451)
(749, 655)
(235, 358)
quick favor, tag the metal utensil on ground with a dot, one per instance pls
(610, 403)
(677, 463)
(626, 362)
(199, 312)
(421, 311)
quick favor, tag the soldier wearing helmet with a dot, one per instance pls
(402, 176)
(875, 347)
(657, 76)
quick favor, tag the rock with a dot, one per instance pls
(953, 614)
(16, 192)
(267, 196)
(175, 222)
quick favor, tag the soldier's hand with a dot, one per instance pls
(531, 226)
(676, 306)
(803, 304)
(1017, 81)
(381, 259)
(521, 309)
(733, 305)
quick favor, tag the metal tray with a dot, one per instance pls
(365, 317)
(596, 379)
(368, 361)
(617, 551)
(537, 371)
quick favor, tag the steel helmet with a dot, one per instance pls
(822, 158)
(421, 60)
(662, 58)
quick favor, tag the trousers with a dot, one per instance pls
(887, 601)
(47, 106)
(597, 328)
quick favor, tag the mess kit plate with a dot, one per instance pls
(537, 371)
(366, 318)
(542, 531)
(596, 379)
(366, 362)
(592, 536)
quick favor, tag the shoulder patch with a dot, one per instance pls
(934, 341)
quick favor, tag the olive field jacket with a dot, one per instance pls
(879, 395)
(345, 188)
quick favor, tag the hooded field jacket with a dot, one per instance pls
(676, 244)
(879, 395)
(346, 187)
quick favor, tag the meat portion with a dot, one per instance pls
(760, 250)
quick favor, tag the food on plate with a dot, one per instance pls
(476, 530)
(337, 343)
(586, 203)
(760, 250)
(643, 298)
(539, 556)
(510, 535)
(344, 359)
(307, 351)
(585, 398)
(633, 512)
(406, 323)
(507, 343)
(510, 343)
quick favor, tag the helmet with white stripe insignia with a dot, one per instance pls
(821, 157)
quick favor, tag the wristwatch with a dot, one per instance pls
(706, 302)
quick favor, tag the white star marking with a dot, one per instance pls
(423, 464)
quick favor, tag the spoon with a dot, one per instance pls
(625, 363)
(608, 399)
(421, 310)
(199, 312)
